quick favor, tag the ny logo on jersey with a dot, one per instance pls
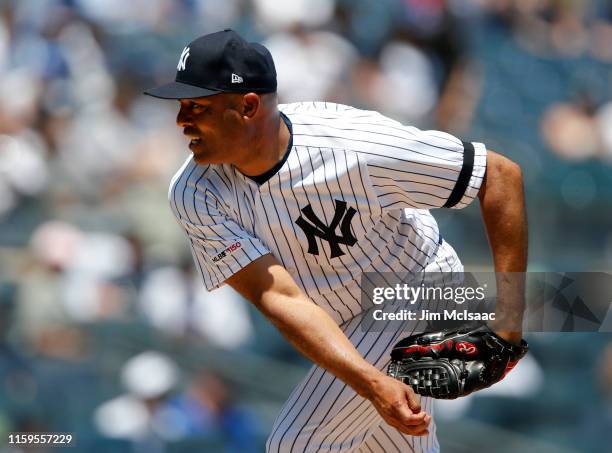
(183, 60)
(316, 228)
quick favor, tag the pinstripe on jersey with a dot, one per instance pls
(352, 197)
(323, 414)
(388, 173)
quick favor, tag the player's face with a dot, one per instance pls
(214, 126)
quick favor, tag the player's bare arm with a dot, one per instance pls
(416, 358)
(502, 204)
(268, 285)
(300, 182)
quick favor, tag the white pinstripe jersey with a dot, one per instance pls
(352, 196)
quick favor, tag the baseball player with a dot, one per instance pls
(290, 204)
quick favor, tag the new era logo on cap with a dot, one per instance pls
(221, 62)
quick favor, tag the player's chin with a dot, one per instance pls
(202, 157)
(209, 156)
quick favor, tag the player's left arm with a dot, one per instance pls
(502, 204)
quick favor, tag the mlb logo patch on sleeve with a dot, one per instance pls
(228, 251)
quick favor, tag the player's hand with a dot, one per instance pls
(399, 406)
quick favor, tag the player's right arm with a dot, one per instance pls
(225, 252)
(268, 285)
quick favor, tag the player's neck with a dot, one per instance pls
(267, 149)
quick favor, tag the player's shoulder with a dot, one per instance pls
(327, 110)
(368, 119)
(344, 122)
(185, 172)
(315, 106)
(348, 118)
(319, 120)
(192, 177)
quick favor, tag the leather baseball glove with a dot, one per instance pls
(455, 362)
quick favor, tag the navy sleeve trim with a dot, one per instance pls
(464, 176)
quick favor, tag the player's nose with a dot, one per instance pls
(183, 118)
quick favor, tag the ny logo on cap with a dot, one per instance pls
(183, 60)
(236, 78)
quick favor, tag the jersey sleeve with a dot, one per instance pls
(410, 168)
(220, 246)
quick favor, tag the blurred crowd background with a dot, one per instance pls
(105, 329)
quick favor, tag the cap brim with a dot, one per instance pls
(178, 90)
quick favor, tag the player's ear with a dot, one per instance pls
(251, 103)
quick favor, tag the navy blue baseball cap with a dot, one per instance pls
(220, 62)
